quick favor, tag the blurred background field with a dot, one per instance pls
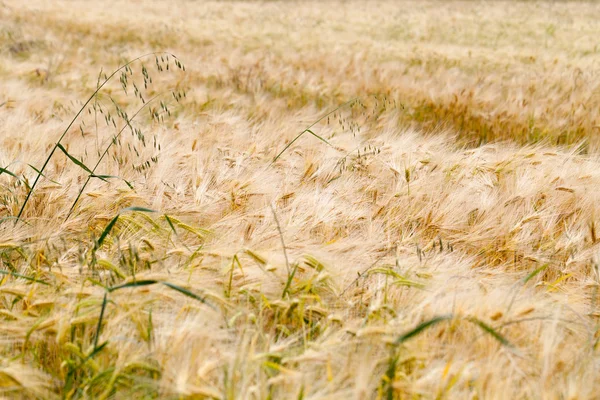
(433, 235)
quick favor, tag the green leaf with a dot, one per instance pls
(99, 326)
(40, 174)
(170, 222)
(106, 231)
(5, 171)
(318, 137)
(491, 331)
(308, 129)
(301, 393)
(97, 349)
(75, 160)
(534, 273)
(146, 282)
(106, 177)
(141, 209)
(29, 278)
(188, 293)
(102, 177)
(289, 280)
(421, 327)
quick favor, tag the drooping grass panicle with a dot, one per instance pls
(59, 146)
(92, 172)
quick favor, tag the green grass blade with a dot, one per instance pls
(29, 278)
(97, 349)
(421, 327)
(308, 129)
(319, 137)
(6, 171)
(99, 326)
(75, 160)
(534, 273)
(390, 376)
(288, 283)
(146, 282)
(42, 175)
(301, 393)
(170, 222)
(488, 329)
(140, 209)
(105, 178)
(188, 293)
(106, 231)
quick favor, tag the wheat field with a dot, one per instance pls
(299, 200)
